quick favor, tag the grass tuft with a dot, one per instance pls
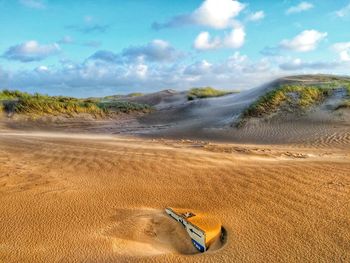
(135, 94)
(206, 92)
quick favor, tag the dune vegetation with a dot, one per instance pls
(206, 92)
(38, 104)
(296, 96)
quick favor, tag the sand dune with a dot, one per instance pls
(215, 119)
(71, 190)
(100, 199)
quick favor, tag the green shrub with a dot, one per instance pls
(206, 92)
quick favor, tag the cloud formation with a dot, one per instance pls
(155, 51)
(31, 51)
(217, 14)
(99, 77)
(303, 6)
(304, 42)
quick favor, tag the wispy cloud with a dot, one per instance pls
(86, 29)
(36, 4)
(92, 43)
(270, 51)
(303, 6)
(256, 16)
(66, 40)
(89, 25)
(343, 12)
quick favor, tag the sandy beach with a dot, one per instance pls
(100, 198)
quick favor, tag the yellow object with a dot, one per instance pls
(203, 229)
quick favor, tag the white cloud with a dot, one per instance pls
(304, 42)
(303, 6)
(31, 51)
(345, 11)
(343, 49)
(204, 42)
(156, 50)
(217, 13)
(259, 15)
(235, 39)
(36, 4)
(42, 69)
(94, 77)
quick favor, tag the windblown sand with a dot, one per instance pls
(88, 198)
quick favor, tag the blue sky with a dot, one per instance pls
(94, 48)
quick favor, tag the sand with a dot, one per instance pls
(93, 198)
(94, 190)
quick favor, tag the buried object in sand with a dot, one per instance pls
(203, 230)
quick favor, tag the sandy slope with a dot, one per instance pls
(91, 198)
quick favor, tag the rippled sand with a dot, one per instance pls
(89, 198)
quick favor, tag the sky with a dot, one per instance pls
(98, 48)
